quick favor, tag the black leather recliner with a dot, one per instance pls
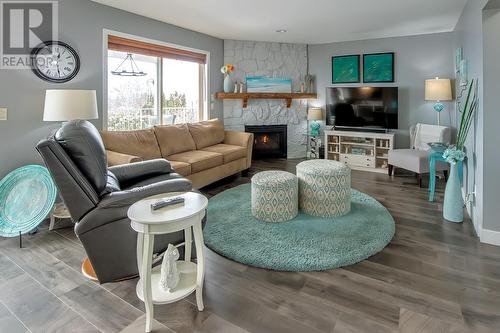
(98, 198)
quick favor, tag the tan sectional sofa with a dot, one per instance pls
(202, 152)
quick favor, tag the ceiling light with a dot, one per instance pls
(281, 31)
(131, 70)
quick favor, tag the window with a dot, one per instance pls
(181, 91)
(132, 100)
(152, 84)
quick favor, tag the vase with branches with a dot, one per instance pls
(453, 207)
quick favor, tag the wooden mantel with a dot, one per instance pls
(246, 96)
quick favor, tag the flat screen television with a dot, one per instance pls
(362, 108)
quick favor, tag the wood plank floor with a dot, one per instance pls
(433, 277)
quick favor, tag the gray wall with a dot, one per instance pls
(417, 58)
(81, 24)
(491, 116)
(469, 36)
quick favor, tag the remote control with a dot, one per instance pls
(167, 202)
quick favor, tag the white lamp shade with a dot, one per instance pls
(315, 114)
(438, 90)
(66, 105)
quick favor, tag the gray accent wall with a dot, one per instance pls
(491, 116)
(81, 24)
(417, 58)
(469, 36)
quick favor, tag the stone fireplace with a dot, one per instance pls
(269, 140)
(271, 60)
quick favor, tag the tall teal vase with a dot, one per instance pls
(453, 207)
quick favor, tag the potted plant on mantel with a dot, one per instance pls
(453, 207)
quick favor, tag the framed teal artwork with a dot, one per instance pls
(378, 67)
(345, 69)
(268, 84)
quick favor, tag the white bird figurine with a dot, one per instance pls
(169, 276)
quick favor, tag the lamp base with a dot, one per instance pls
(315, 127)
(438, 107)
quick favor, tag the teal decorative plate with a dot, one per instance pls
(27, 195)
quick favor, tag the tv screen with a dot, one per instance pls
(370, 108)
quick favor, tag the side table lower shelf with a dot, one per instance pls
(187, 284)
(58, 212)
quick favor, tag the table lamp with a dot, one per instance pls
(313, 115)
(438, 90)
(66, 105)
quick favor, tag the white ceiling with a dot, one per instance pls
(306, 21)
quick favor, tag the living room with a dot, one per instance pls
(212, 166)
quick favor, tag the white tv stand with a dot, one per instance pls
(365, 151)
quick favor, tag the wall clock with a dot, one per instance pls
(55, 61)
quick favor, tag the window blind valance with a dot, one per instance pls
(122, 44)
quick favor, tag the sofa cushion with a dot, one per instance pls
(207, 133)
(181, 168)
(174, 139)
(230, 152)
(200, 160)
(141, 143)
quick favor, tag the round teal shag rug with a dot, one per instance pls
(305, 243)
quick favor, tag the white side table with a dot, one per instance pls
(147, 223)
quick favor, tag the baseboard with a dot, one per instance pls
(490, 237)
(292, 155)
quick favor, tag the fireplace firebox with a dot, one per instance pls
(269, 141)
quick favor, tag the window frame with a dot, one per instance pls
(204, 83)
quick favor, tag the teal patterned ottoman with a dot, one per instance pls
(274, 196)
(324, 188)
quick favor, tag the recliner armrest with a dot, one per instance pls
(146, 169)
(114, 206)
(129, 197)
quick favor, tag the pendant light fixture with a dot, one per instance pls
(128, 67)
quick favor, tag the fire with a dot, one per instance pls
(265, 139)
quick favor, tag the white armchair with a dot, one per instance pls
(416, 159)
